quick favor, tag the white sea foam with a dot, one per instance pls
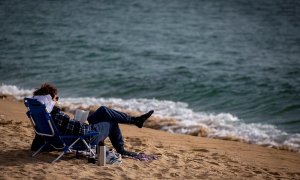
(14, 91)
(222, 125)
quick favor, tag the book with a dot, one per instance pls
(81, 115)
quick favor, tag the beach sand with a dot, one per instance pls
(180, 156)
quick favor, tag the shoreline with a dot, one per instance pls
(181, 156)
(225, 126)
(172, 125)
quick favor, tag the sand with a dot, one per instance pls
(180, 156)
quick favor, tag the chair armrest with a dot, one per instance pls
(91, 133)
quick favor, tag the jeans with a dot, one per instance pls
(106, 121)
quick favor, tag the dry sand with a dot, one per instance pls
(181, 156)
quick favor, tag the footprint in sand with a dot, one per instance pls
(257, 172)
(6, 122)
(119, 168)
(136, 167)
(159, 145)
(197, 160)
(124, 176)
(172, 155)
(103, 173)
(136, 142)
(174, 174)
(157, 175)
(200, 150)
(294, 174)
(214, 163)
(274, 173)
(214, 154)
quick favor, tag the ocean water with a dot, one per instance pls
(231, 67)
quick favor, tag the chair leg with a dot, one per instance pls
(74, 143)
(88, 147)
(34, 154)
(66, 149)
(58, 157)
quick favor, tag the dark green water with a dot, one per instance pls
(238, 57)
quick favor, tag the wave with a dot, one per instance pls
(15, 91)
(177, 117)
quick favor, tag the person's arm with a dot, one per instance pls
(67, 125)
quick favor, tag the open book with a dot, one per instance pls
(81, 115)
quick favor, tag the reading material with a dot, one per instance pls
(81, 115)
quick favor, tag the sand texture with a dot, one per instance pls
(180, 156)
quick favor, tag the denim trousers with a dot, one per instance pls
(106, 121)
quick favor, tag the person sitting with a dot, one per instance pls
(104, 120)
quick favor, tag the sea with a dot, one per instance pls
(229, 67)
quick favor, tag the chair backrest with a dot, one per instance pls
(42, 121)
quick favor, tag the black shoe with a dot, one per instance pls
(139, 121)
(128, 154)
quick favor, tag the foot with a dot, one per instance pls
(128, 154)
(139, 121)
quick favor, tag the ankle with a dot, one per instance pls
(128, 153)
(140, 120)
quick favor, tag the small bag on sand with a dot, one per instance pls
(113, 157)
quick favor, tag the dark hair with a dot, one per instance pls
(46, 89)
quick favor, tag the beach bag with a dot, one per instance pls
(113, 157)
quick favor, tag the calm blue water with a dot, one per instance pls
(234, 56)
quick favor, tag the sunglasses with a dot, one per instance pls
(56, 98)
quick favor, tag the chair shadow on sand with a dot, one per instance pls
(19, 157)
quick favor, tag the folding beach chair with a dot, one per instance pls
(44, 126)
